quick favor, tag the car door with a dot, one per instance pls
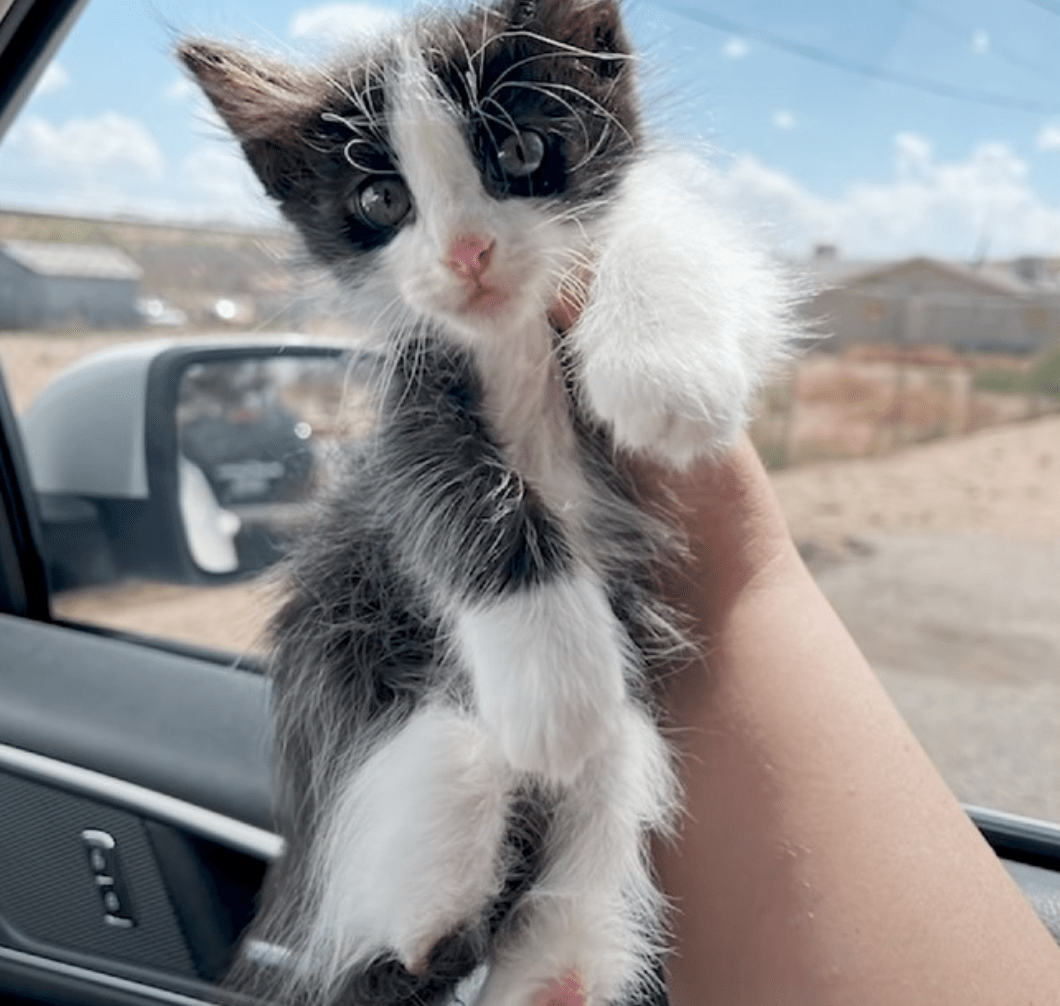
(134, 782)
(134, 787)
(134, 795)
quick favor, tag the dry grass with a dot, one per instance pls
(865, 405)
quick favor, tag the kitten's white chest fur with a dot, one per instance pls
(529, 408)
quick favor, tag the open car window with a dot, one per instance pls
(903, 160)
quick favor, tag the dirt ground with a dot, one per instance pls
(943, 561)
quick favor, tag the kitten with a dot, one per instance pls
(463, 670)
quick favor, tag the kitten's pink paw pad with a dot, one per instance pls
(566, 991)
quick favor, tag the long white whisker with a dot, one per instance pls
(549, 86)
(572, 54)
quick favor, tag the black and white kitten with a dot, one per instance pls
(463, 668)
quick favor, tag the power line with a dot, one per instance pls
(830, 59)
(965, 33)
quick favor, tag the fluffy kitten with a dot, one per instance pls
(463, 669)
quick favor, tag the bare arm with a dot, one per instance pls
(821, 859)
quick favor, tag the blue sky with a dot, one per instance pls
(813, 151)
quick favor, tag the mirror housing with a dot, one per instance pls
(125, 491)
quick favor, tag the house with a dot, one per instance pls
(48, 285)
(993, 307)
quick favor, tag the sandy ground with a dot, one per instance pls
(943, 561)
(1004, 481)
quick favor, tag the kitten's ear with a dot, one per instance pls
(593, 25)
(265, 103)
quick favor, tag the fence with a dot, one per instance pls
(873, 400)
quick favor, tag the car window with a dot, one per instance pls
(903, 158)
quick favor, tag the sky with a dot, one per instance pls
(888, 128)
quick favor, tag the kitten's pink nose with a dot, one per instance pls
(469, 255)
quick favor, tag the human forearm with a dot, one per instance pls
(820, 859)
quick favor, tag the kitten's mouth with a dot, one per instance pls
(486, 300)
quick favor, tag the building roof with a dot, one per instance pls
(82, 261)
(832, 272)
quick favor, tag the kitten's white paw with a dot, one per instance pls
(660, 417)
(548, 670)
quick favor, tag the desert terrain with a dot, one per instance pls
(942, 558)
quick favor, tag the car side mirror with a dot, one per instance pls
(190, 462)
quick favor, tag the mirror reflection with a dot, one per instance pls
(258, 438)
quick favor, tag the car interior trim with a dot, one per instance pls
(209, 824)
(1024, 839)
(78, 973)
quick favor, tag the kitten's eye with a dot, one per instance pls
(521, 154)
(384, 202)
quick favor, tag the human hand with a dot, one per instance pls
(736, 534)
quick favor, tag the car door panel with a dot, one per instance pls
(186, 728)
(168, 756)
(1042, 889)
(186, 899)
(49, 899)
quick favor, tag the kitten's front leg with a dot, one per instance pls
(685, 320)
(547, 662)
(657, 390)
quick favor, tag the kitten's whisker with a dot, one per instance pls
(572, 54)
(573, 214)
(508, 122)
(481, 53)
(471, 79)
(549, 86)
(564, 47)
(575, 115)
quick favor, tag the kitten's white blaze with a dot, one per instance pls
(547, 664)
(530, 248)
(456, 222)
(410, 851)
(435, 160)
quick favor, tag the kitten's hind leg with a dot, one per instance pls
(595, 915)
(410, 853)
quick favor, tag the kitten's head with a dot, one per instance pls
(453, 169)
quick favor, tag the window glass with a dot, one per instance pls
(904, 158)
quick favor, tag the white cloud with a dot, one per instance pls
(54, 78)
(783, 119)
(181, 88)
(912, 154)
(927, 206)
(106, 141)
(735, 48)
(980, 42)
(341, 21)
(221, 185)
(1049, 137)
